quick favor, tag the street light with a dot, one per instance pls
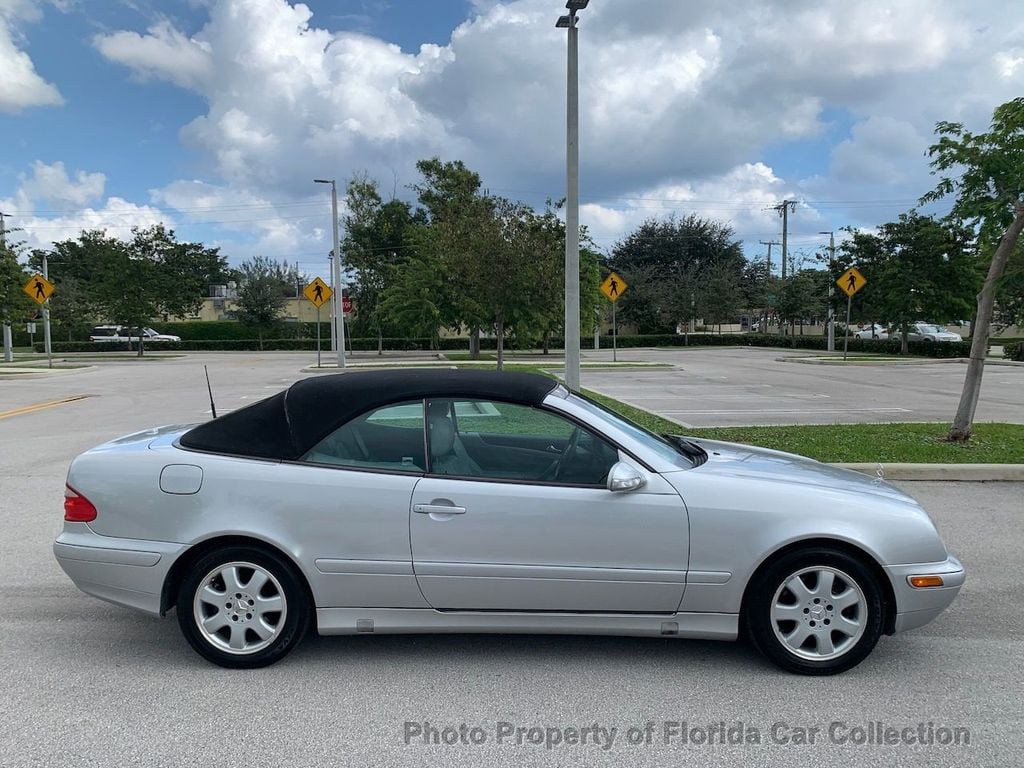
(831, 289)
(338, 318)
(572, 196)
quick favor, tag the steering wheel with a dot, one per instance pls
(553, 471)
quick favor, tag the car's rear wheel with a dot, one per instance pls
(242, 608)
(815, 611)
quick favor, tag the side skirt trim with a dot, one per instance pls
(351, 621)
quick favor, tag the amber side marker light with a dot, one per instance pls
(923, 582)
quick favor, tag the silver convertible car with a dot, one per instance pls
(458, 501)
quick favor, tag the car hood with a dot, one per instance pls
(745, 461)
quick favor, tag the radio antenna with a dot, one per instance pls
(213, 408)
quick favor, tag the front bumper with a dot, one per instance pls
(917, 607)
(129, 572)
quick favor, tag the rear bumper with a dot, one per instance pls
(917, 607)
(129, 572)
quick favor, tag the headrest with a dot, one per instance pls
(442, 436)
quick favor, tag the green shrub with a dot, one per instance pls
(1014, 351)
(889, 347)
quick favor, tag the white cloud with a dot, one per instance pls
(743, 197)
(162, 52)
(678, 102)
(50, 184)
(21, 86)
(878, 152)
(278, 230)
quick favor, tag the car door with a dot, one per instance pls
(349, 501)
(539, 532)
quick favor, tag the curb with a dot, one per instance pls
(978, 473)
(14, 373)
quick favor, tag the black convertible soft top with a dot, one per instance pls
(286, 425)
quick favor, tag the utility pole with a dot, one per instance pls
(783, 211)
(767, 298)
(831, 289)
(769, 243)
(8, 340)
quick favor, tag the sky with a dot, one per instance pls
(214, 116)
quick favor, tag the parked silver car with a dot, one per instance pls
(456, 501)
(926, 332)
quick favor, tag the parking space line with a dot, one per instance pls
(25, 409)
(773, 411)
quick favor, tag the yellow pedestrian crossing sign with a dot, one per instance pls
(851, 281)
(38, 288)
(613, 287)
(318, 292)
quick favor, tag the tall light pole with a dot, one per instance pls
(831, 288)
(572, 196)
(338, 319)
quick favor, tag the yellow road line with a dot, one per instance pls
(41, 406)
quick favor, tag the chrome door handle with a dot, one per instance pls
(438, 509)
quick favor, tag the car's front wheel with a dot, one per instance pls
(242, 608)
(815, 611)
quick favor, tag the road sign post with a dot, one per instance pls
(615, 336)
(39, 289)
(613, 287)
(318, 293)
(850, 282)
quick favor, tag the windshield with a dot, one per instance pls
(655, 443)
(923, 328)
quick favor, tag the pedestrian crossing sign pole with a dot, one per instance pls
(850, 282)
(319, 293)
(613, 287)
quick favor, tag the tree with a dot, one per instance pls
(989, 196)
(151, 275)
(414, 297)
(14, 304)
(668, 264)
(917, 268)
(262, 294)
(803, 295)
(130, 282)
(1009, 308)
(375, 244)
(720, 295)
(457, 215)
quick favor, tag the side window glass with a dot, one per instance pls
(386, 438)
(506, 441)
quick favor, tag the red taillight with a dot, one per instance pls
(77, 508)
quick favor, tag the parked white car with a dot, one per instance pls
(927, 332)
(873, 331)
(109, 333)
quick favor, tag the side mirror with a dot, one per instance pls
(624, 477)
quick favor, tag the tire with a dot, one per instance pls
(254, 603)
(829, 625)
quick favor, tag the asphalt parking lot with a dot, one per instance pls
(89, 684)
(734, 387)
